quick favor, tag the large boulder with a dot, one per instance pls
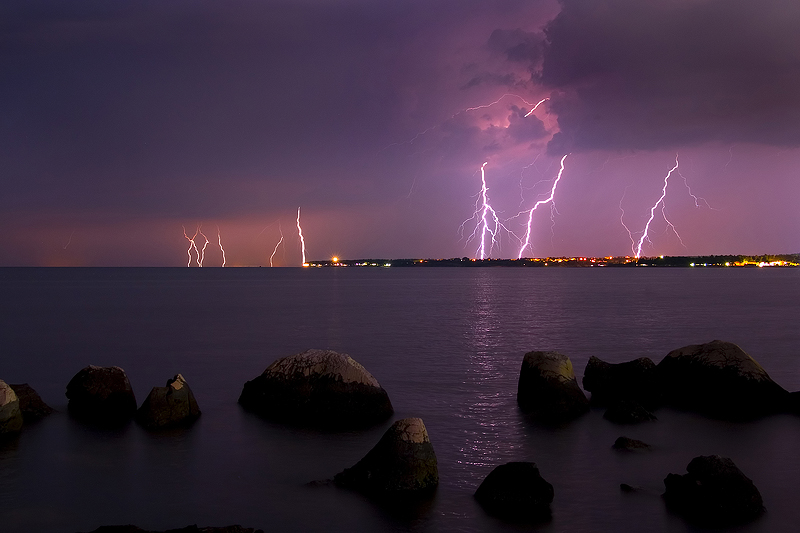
(713, 493)
(403, 462)
(10, 413)
(169, 406)
(30, 403)
(516, 491)
(101, 395)
(319, 388)
(719, 379)
(548, 390)
(632, 381)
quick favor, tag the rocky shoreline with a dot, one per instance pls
(329, 390)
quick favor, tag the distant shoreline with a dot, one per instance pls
(740, 261)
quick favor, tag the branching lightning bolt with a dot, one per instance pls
(487, 221)
(302, 240)
(637, 250)
(192, 244)
(527, 239)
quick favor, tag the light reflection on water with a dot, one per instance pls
(447, 344)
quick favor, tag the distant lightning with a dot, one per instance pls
(540, 102)
(302, 240)
(637, 249)
(276, 246)
(192, 245)
(487, 223)
(468, 109)
(527, 240)
(219, 240)
(203, 250)
(69, 240)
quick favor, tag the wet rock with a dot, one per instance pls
(627, 412)
(30, 403)
(516, 491)
(10, 413)
(403, 461)
(548, 390)
(633, 381)
(101, 395)
(719, 379)
(318, 388)
(713, 493)
(169, 406)
(631, 445)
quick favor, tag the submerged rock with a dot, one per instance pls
(516, 491)
(548, 390)
(631, 445)
(319, 388)
(30, 403)
(713, 493)
(403, 461)
(719, 379)
(627, 412)
(10, 413)
(169, 406)
(101, 395)
(631, 381)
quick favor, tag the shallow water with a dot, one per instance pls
(446, 344)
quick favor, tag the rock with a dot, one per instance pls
(627, 412)
(30, 403)
(548, 389)
(631, 445)
(10, 413)
(101, 395)
(624, 487)
(403, 461)
(633, 380)
(516, 491)
(319, 388)
(714, 493)
(719, 379)
(169, 406)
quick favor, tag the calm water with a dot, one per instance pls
(446, 344)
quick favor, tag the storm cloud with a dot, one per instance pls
(634, 74)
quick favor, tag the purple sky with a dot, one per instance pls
(121, 122)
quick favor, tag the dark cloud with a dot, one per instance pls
(517, 45)
(525, 129)
(634, 74)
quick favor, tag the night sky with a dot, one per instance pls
(123, 122)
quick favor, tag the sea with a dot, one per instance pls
(446, 344)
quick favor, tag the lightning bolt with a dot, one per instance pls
(69, 240)
(468, 109)
(302, 240)
(527, 239)
(637, 248)
(276, 246)
(487, 224)
(203, 251)
(192, 244)
(219, 240)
